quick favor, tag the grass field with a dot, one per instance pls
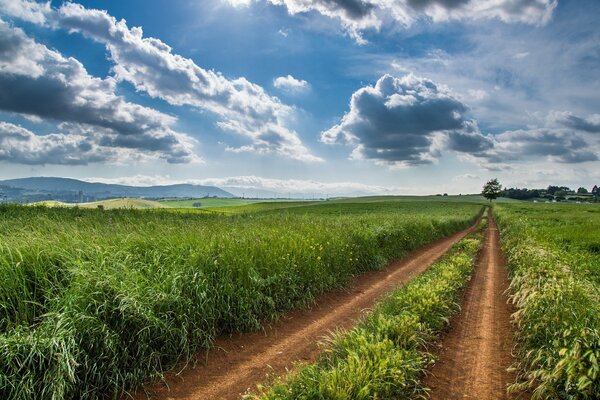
(385, 356)
(125, 203)
(240, 206)
(94, 302)
(554, 258)
(214, 202)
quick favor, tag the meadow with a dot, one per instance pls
(94, 302)
(553, 254)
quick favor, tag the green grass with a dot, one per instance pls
(385, 356)
(129, 203)
(213, 202)
(92, 302)
(555, 269)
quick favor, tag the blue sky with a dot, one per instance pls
(303, 96)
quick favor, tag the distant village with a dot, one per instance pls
(555, 194)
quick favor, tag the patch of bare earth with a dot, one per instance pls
(240, 362)
(477, 350)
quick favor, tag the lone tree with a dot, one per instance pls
(492, 189)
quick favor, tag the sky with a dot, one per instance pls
(303, 97)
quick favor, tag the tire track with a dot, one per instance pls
(476, 352)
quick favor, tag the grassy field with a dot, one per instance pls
(241, 206)
(94, 302)
(125, 203)
(214, 202)
(385, 356)
(554, 259)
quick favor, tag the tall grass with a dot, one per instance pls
(94, 302)
(555, 289)
(385, 356)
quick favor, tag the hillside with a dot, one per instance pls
(73, 190)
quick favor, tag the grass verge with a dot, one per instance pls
(558, 316)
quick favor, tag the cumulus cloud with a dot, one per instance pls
(411, 120)
(150, 65)
(402, 122)
(19, 145)
(359, 15)
(570, 120)
(551, 144)
(41, 82)
(30, 11)
(290, 84)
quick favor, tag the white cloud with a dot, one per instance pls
(30, 11)
(43, 84)
(477, 94)
(567, 119)
(290, 84)
(21, 146)
(510, 149)
(150, 65)
(466, 177)
(400, 122)
(357, 16)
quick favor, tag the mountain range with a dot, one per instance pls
(74, 190)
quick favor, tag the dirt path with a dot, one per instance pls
(477, 349)
(240, 362)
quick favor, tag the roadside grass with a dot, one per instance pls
(386, 354)
(556, 290)
(93, 303)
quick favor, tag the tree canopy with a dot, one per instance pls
(492, 189)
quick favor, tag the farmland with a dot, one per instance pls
(95, 302)
(554, 263)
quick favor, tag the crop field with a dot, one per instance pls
(554, 261)
(93, 302)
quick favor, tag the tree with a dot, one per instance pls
(492, 189)
(582, 190)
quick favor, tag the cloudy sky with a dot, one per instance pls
(303, 96)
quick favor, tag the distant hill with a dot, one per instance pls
(73, 190)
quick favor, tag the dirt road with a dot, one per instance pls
(476, 351)
(242, 361)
